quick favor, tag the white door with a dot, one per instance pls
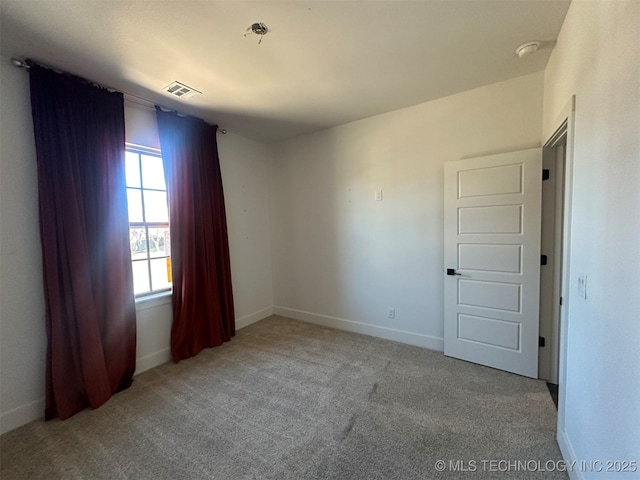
(492, 260)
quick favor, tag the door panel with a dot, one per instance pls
(481, 182)
(491, 258)
(492, 241)
(493, 219)
(492, 332)
(494, 295)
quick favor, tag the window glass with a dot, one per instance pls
(132, 167)
(160, 271)
(134, 202)
(152, 172)
(141, 277)
(159, 242)
(149, 234)
(155, 206)
(138, 242)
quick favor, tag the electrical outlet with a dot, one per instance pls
(391, 312)
(582, 285)
(378, 195)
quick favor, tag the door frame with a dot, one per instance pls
(564, 125)
(551, 245)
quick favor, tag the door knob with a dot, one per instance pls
(452, 271)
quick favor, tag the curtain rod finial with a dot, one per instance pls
(16, 62)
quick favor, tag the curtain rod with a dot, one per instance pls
(16, 62)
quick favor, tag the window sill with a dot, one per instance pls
(153, 300)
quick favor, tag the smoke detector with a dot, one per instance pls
(527, 48)
(180, 90)
(257, 28)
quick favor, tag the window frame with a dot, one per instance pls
(154, 152)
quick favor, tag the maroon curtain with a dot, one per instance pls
(88, 286)
(203, 313)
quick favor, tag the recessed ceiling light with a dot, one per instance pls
(527, 48)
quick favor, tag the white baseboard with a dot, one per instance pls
(402, 336)
(152, 360)
(163, 356)
(22, 415)
(253, 317)
(35, 410)
(569, 456)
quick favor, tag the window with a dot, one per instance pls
(149, 235)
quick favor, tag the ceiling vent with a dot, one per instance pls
(181, 90)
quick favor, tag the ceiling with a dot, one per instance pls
(323, 63)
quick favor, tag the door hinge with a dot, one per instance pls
(561, 300)
(541, 341)
(543, 259)
(545, 174)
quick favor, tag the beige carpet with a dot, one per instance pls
(288, 400)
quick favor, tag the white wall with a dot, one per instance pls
(341, 258)
(245, 178)
(244, 166)
(22, 326)
(597, 58)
